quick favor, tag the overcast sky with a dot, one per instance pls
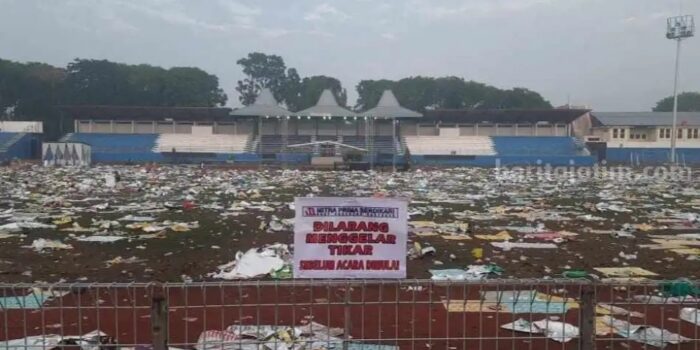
(611, 55)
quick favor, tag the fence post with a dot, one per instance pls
(347, 325)
(159, 323)
(588, 317)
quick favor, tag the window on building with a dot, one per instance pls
(665, 133)
(622, 133)
(644, 136)
(680, 134)
(614, 133)
(668, 133)
(692, 133)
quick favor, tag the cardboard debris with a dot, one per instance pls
(501, 236)
(625, 271)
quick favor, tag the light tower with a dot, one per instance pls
(678, 28)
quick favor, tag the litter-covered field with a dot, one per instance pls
(186, 223)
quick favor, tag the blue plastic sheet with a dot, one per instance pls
(29, 301)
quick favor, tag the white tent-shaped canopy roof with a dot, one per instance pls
(388, 107)
(264, 105)
(327, 106)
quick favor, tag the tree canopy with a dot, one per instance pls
(687, 102)
(30, 91)
(417, 93)
(269, 71)
(421, 93)
(108, 83)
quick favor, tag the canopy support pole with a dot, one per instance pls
(285, 139)
(260, 141)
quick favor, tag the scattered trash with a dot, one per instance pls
(472, 273)
(42, 244)
(529, 301)
(311, 336)
(501, 236)
(255, 262)
(35, 299)
(574, 274)
(691, 315)
(511, 245)
(91, 341)
(625, 271)
(642, 334)
(607, 309)
(454, 212)
(101, 239)
(680, 288)
(555, 330)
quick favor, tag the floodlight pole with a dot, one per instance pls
(674, 131)
(678, 28)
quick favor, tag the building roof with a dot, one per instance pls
(327, 106)
(264, 105)
(145, 112)
(646, 118)
(503, 116)
(389, 107)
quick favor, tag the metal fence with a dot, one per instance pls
(395, 314)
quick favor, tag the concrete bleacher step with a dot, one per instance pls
(201, 143)
(450, 145)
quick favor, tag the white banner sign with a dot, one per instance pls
(350, 238)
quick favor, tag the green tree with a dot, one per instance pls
(520, 98)
(28, 91)
(187, 86)
(687, 102)
(450, 92)
(262, 71)
(370, 91)
(421, 93)
(101, 82)
(98, 82)
(290, 90)
(417, 93)
(297, 93)
(312, 87)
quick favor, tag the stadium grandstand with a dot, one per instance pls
(328, 134)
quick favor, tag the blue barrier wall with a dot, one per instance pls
(689, 156)
(535, 145)
(294, 158)
(138, 148)
(492, 161)
(115, 143)
(17, 145)
(518, 150)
